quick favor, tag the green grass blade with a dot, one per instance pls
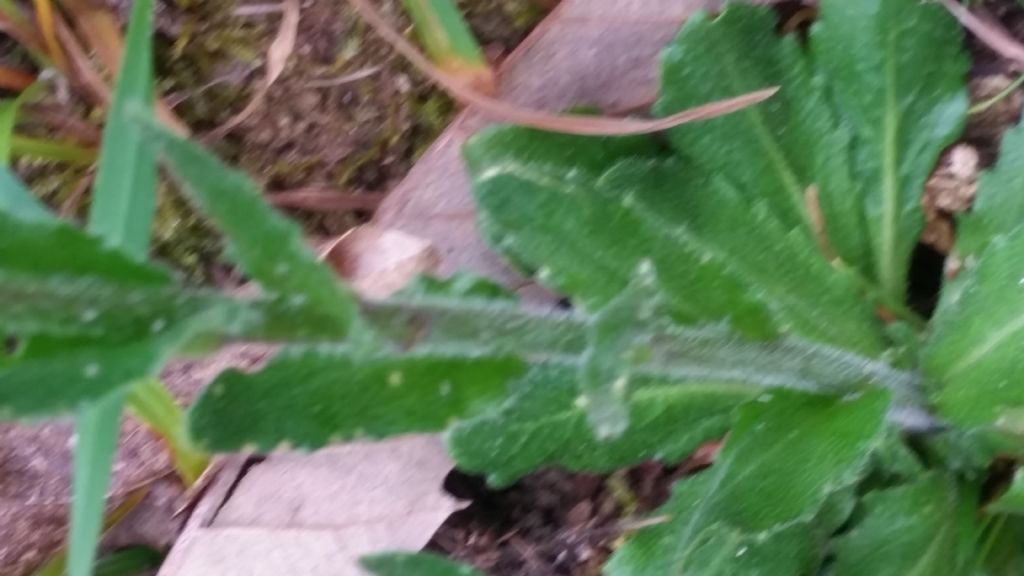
(154, 405)
(17, 201)
(96, 432)
(57, 564)
(53, 150)
(122, 213)
(9, 109)
(448, 40)
(124, 200)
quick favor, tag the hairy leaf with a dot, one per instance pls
(778, 152)
(998, 208)
(308, 397)
(545, 424)
(26, 247)
(585, 233)
(267, 245)
(927, 527)
(896, 70)
(662, 349)
(53, 374)
(978, 338)
(753, 512)
(780, 268)
(415, 565)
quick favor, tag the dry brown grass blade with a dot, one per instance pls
(14, 79)
(571, 124)
(80, 70)
(99, 28)
(990, 32)
(45, 26)
(277, 57)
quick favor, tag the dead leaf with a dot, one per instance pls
(318, 513)
(570, 124)
(378, 261)
(277, 58)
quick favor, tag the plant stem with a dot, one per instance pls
(986, 104)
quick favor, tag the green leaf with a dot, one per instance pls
(973, 353)
(133, 561)
(665, 350)
(17, 201)
(1002, 552)
(124, 200)
(415, 565)
(26, 247)
(265, 244)
(754, 512)
(1012, 500)
(781, 269)
(774, 152)
(585, 230)
(927, 527)
(73, 372)
(545, 424)
(998, 207)
(896, 70)
(308, 397)
(121, 214)
(536, 208)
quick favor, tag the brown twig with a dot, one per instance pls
(990, 32)
(324, 200)
(572, 124)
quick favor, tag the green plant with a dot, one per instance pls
(749, 278)
(448, 40)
